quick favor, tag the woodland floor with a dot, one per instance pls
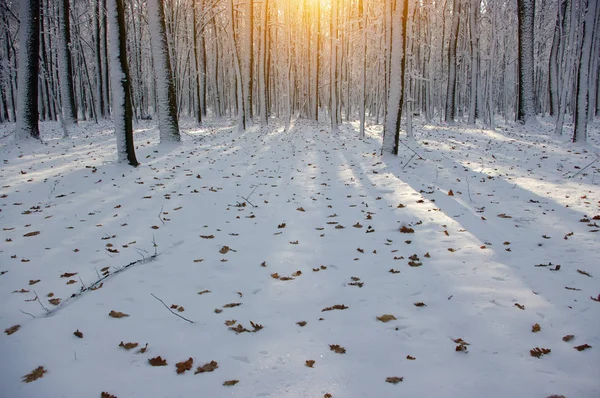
(501, 233)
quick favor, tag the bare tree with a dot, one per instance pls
(69, 110)
(526, 26)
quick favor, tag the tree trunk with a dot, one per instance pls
(554, 62)
(168, 123)
(198, 109)
(474, 24)
(451, 87)
(582, 93)
(98, 53)
(248, 59)
(69, 110)
(27, 114)
(238, 73)
(333, 77)
(262, 63)
(121, 83)
(526, 98)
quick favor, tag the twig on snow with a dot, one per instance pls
(580, 171)
(170, 310)
(37, 298)
(160, 214)
(27, 313)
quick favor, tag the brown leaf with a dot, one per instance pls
(231, 305)
(407, 230)
(207, 236)
(386, 318)
(297, 273)
(263, 264)
(520, 306)
(105, 394)
(536, 328)
(185, 365)
(207, 367)
(230, 382)
(539, 352)
(143, 349)
(204, 292)
(309, 363)
(582, 272)
(68, 274)
(357, 225)
(117, 314)
(158, 361)
(218, 310)
(503, 215)
(337, 349)
(568, 337)
(301, 323)
(335, 307)
(28, 234)
(394, 380)
(54, 301)
(12, 329)
(78, 334)
(224, 249)
(410, 358)
(230, 322)
(582, 347)
(420, 304)
(450, 193)
(300, 209)
(198, 260)
(394, 271)
(282, 225)
(128, 346)
(33, 282)
(35, 374)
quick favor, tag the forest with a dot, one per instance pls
(328, 198)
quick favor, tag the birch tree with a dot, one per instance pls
(121, 83)
(168, 123)
(27, 109)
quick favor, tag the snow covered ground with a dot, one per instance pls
(501, 232)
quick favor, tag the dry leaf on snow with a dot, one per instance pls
(35, 374)
(309, 363)
(207, 367)
(128, 346)
(582, 347)
(78, 334)
(230, 382)
(185, 365)
(335, 307)
(117, 314)
(386, 318)
(28, 234)
(539, 352)
(158, 361)
(536, 328)
(394, 380)
(337, 348)
(12, 329)
(568, 337)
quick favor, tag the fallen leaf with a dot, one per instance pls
(386, 318)
(158, 361)
(185, 365)
(394, 380)
(231, 305)
(420, 304)
(582, 272)
(117, 314)
(335, 307)
(230, 382)
(207, 236)
(410, 358)
(28, 234)
(143, 349)
(35, 374)
(282, 225)
(54, 301)
(78, 334)
(230, 322)
(536, 328)
(12, 329)
(33, 282)
(309, 363)
(128, 346)
(301, 323)
(407, 230)
(582, 347)
(568, 337)
(105, 394)
(300, 209)
(539, 352)
(207, 367)
(337, 348)
(224, 249)
(204, 292)
(520, 306)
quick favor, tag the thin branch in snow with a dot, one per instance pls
(173, 312)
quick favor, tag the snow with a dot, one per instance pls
(239, 187)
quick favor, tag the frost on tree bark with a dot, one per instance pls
(474, 24)
(197, 66)
(553, 63)
(98, 57)
(582, 94)
(262, 63)
(27, 108)
(67, 93)
(248, 58)
(526, 99)
(121, 83)
(168, 124)
(395, 100)
(333, 68)
(451, 88)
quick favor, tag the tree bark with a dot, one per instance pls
(526, 98)
(451, 87)
(27, 113)
(69, 110)
(121, 83)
